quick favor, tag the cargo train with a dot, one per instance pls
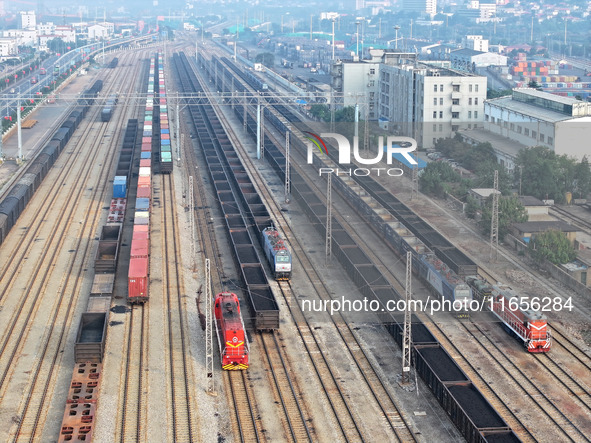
(14, 203)
(139, 261)
(476, 419)
(231, 332)
(277, 254)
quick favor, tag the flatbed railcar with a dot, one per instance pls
(476, 419)
(231, 332)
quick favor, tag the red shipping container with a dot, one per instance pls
(144, 192)
(140, 236)
(140, 247)
(144, 180)
(147, 140)
(146, 147)
(137, 288)
(165, 136)
(146, 162)
(140, 228)
(164, 126)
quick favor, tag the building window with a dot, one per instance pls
(542, 138)
(476, 88)
(469, 114)
(512, 126)
(550, 141)
(534, 134)
(476, 99)
(434, 140)
(470, 88)
(441, 101)
(526, 131)
(434, 114)
(372, 83)
(372, 71)
(435, 101)
(434, 128)
(519, 129)
(434, 88)
(455, 115)
(469, 125)
(456, 88)
(455, 101)
(440, 127)
(440, 114)
(475, 114)
(485, 117)
(440, 88)
(492, 119)
(470, 100)
(454, 128)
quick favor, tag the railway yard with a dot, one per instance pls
(103, 281)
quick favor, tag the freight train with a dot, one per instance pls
(277, 253)
(231, 332)
(14, 203)
(476, 419)
(528, 326)
(139, 260)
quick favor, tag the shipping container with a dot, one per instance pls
(137, 288)
(145, 163)
(145, 155)
(142, 204)
(145, 172)
(140, 247)
(141, 218)
(120, 187)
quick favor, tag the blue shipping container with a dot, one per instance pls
(142, 204)
(119, 186)
(146, 154)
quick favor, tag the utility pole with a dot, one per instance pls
(287, 166)
(494, 221)
(366, 133)
(258, 127)
(263, 133)
(18, 128)
(328, 239)
(192, 224)
(209, 332)
(407, 332)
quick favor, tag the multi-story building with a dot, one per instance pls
(475, 42)
(428, 103)
(8, 48)
(27, 20)
(536, 118)
(426, 6)
(356, 82)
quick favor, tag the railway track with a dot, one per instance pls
(58, 310)
(181, 400)
(349, 424)
(132, 402)
(578, 221)
(246, 422)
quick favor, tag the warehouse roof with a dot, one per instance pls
(541, 226)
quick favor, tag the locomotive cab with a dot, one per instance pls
(230, 331)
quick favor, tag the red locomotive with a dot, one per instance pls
(231, 332)
(528, 326)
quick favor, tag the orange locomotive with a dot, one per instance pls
(231, 332)
(527, 325)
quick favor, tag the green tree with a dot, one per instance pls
(346, 114)
(510, 211)
(266, 58)
(553, 246)
(582, 178)
(321, 112)
(471, 207)
(434, 176)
